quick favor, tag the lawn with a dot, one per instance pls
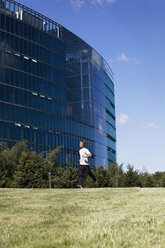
(105, 217)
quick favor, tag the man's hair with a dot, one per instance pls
(83, 142)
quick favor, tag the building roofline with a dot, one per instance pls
(36, 13)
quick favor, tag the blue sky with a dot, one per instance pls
(130, 35)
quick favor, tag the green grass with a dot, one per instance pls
(118, 218)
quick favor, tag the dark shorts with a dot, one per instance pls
(83, 171)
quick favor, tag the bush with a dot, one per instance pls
(24, 168)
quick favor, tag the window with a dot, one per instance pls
(42, 96)
(26, 58)
(33, 60)
(34, 94)
(17, 54)
(18, 124)
(26, 126)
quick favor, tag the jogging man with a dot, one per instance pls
(84, 168)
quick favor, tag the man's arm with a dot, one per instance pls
(88, 154)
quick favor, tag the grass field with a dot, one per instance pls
(118, 218)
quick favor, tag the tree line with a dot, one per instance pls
(21, 167)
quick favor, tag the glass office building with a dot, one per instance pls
(55, 89)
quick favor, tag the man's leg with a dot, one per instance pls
(80, 175)
(91, 174)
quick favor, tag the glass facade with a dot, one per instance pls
(54, 88)
(90, 96)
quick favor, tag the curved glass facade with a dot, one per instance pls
(54, 88)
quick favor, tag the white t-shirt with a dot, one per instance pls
(84, 152)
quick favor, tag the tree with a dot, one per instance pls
(4, 167)
(115, 175)
(101, 177)
(159, 178)
(52, 166)
(69, 177)
(9, 161)
(131, 177)
(88, 182)
(30, 172)
(162, 182)
(147, 180)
